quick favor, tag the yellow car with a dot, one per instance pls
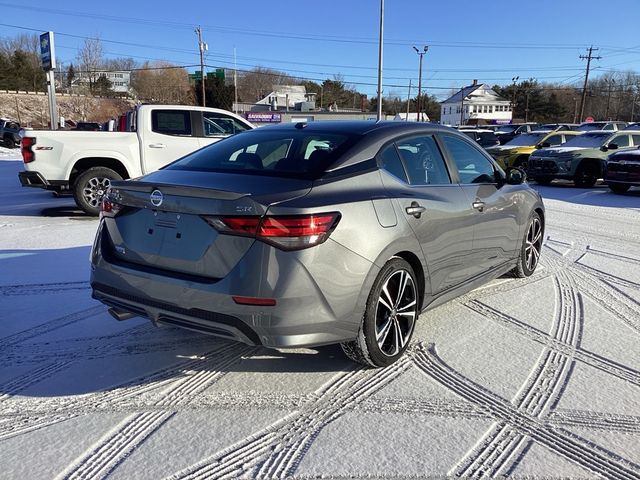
(515, 153)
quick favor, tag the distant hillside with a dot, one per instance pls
(32, 109)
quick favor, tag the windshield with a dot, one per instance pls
(585, 127)
(588, 140)
(507, 129)
(273, 152)
(526, 140)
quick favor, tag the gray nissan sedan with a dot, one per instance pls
(310, 234)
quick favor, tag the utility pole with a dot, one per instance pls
(235, 80)
(588, 57)
(513, 95)
(526, 107)
(409, 100)
(462, 105)
(419, 106)
(610, 82)
(202, 47)
(381, 42)
(633, 106)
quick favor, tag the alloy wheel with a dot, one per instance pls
(396, 313)
(533, 244)
(95, 189)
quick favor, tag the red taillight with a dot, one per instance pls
(285, 232)
(27, 152)
(109, 208)
(258, 301)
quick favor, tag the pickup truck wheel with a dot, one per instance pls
(90, 186)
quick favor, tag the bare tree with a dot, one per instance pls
(162, 82)
(90, 59)
(258, 83)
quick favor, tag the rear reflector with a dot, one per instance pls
(27, 144)
(261, 302)
(285, 232)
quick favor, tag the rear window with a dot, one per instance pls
(274, 152)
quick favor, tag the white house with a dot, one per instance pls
(413, 117)
(120, 80)
(473, 103)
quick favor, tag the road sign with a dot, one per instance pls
(47, 51)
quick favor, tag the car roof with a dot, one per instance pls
(360, 127)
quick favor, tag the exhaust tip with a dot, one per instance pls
(120, 314)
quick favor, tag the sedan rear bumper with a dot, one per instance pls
(315, 304)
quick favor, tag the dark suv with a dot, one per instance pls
(484, 138)
(623, 170)
(9, 133)
(506, 133)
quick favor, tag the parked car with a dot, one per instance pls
(86, 162)
(610, 126)
(557, 127)
(633, 126)
(315, 233)
(516, 152)
(508, 132)
(623, 171)
(9, 133)
(484, 138)
(88, 126)
(581, 159)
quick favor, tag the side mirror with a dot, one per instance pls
(545, 145)
(515, 176)
(612, 146)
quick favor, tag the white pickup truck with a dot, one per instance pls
(84, 163)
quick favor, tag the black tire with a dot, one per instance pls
(618, 188)
(531, 248)
(586, 176)
(9, 142)
(522, 162)
(543, 180)
(90, 186)
(389, 319)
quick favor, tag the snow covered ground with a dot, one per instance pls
(531, 378)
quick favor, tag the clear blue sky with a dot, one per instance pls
(490, 41)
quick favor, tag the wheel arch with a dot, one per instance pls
(86, 163)
(413, 260)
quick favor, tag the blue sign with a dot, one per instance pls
(47, 51)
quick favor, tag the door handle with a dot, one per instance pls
(415, 209)
(478, 205)
(157, 145)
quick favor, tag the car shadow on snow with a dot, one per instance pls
(597, 196)
(55, 340)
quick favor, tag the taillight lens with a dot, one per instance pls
(285, 232)
(108, 207)
(27, 144)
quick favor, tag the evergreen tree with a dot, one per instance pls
(217, 94)
(71, 75)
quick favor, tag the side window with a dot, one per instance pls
(636, 140)
(554, 140)
(423, 161)
(171, 122)
(608, 126)
(215, 124)
(390, 161)
(621, 140)
(473, 166)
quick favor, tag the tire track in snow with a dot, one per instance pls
(50, 326)
(277, 450)
(608, 422)
(592, 359)
(502, 445)
(40, 288)
(570, 446)
(56, 409)
(22, 382)
(115, 446)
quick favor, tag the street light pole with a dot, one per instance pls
(610, 82)
(419, 105)
(513, 101)
(381, 41)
